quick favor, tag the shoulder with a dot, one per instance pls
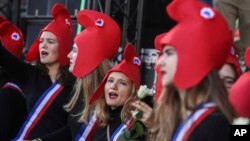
(215, 127)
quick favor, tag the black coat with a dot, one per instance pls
(12, 112)
(34, 82)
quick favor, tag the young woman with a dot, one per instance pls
(47, 86)
(193, 105)
(90, 58)
(12, 103)
(116, 97)
(231, 70)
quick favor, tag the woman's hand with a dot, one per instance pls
(147, 113)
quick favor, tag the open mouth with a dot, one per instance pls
(44, 53)
(113, 95)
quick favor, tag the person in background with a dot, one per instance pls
(231, 70)
(46, 86)
(90, 58)
(209, 2)
(193, 104)
(115, 99)
(239, 94)
(12, 101)
(233, 10)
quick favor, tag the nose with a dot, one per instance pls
(43, 45)
(159, 62)
(69, 55)
(113, 86)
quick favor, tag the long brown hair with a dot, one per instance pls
(168, 109)
(87, 85)
(103, 112)
(65, 77)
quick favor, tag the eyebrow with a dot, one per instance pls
(120, 79)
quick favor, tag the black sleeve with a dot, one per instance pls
(20, 70)
(63, 134)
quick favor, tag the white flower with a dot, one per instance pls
(143, 91)
(241, 121)
(135, 112)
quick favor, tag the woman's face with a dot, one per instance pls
(48, 48)
(228, 75)
(118, 89)
(167, 64)
(72, 57)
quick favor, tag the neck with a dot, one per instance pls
(53, 71)
(184, 101)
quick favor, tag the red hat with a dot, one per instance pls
(239, 93)
(247, 57)
(11, 37)
(99, 40)
(233, 59)
(201, 38)
(158, 87)
(130, 66)
(157, 41)
(62, 27)
(33, 52)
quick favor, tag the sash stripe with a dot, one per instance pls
(87, 131)
(39, 109)
(193, 121)
(119, 130)
(196, 123)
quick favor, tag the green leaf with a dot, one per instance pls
(125, 135)
(137, 130)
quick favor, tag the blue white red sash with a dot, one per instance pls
(119, 130)
(38, 110)
(87, 131)
(185, 129)
(14, 87)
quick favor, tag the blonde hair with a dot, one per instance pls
(168, 109)
(103, 112)
(87, 85)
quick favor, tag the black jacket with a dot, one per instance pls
(34, 82)
(12, 112)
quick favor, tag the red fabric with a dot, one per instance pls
(159, 47)
(239, 93)
(240, 96)
(157, 41)
(247, 57)
(33, 53)
(99, 40)
(62, 27)
(11, 37)
(130, 66)
(233, 59)
(201, 38)
(158, 87)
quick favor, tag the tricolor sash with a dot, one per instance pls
(38, 110)
(119, 130)
(87, 131)
(185, 129)
(14, 87)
